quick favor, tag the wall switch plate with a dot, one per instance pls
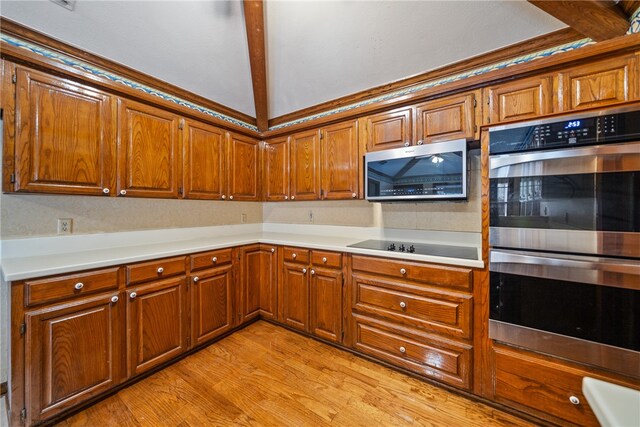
(64, 225)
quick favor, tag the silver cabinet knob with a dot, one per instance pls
(160, 270)
(403, 304)
(230, 197)
(286, 197)
(574, 400)
(406, 144)
(106, 190)
(403, 271)
(123, 192)
(214, 259)
(273, 250)
(195, 279)
(294, 256)
(78, 286)
(133, 295)
(293, 197)
(403, 350)
(419, 142)
(114, 299)
(354, 195)
(324, 259)
(313, 272)
(224, 197)
(304, 271)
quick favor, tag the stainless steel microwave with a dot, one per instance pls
(433, 171)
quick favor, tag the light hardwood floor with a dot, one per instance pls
(266, 375)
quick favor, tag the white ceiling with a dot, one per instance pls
(316, 50)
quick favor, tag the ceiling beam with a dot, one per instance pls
(254, 21)
(598, 19)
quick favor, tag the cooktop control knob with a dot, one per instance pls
(391, 247)
(402, 248)
(412, 249)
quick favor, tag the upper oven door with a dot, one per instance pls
(577, 200)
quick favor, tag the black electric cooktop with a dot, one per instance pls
(419, 248)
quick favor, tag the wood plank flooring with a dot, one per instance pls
(266, 375)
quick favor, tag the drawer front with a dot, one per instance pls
(450, 277)
(210, 259)
(296, 255)
(413, 305)
(153, 270)
(541, 385)
(442, 360)
(326, 259)
(62, 287)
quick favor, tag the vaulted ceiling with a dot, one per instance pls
(315, 51)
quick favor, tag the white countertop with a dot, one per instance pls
(38, 257)
(613, 405)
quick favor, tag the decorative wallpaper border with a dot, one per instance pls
(634, 26)
(64, 59)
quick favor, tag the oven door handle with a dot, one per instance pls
(594, 270)
(594, 159)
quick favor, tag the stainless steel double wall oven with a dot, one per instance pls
(565, 237)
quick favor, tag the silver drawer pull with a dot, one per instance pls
(230, 197)
(403, 304)
(574, 400)
(403, 350)
(78, 285)
(195, 279)
(114, 299)
(354, 195)
(224, 197)
(419, 142)
(324, 259)
(406, 144)
(214, 259)
(313, 272)
(133, 295)
(304, 271)
(286, 197)
(294, 256)
(105, 190)
(293, 197)
(403, 271)
(123, 192)
(160, 270)
(273, 250)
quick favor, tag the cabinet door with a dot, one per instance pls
(148, 158)
(305, 166)
(243, 168)
(268, 281)
(339, 147)
(598, 84)
(65, 136)
(294, 296)
(204, 149)
(391, 129)
(447, 118)
(325, 312)
(211, 313)
(251, 270)
(521, 99)
(156, 324)
(73, 353)
(276, 170)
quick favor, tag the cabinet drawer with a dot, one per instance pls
(210, 259)
(326, 259)
(442, 360)
(416, 306)
(58, 288)
(541, 385)
(157, 269)
(296, 255)
(450, 277)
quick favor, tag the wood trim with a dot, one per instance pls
(8, 105)
(536, 44)
(254, 23)
(598, 19)
(15, 29)
(629, 6)
(573, 58)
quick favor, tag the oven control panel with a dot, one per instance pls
(578, 130)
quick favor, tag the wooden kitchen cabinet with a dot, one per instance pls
(73, 351)
(204, 161)
(294, 295)
(339, 152)
(451, 117)
(65, 138)
(258, 282)
(211, 303)
(390, 129)
(304, 165)
(243, 169)
(520, 99)
(325, 300)
(275, 170)
(149, 155)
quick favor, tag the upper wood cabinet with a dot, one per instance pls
(65, 136)
(451, 117)
(242, 176)
(339, 148)
(275, 169)
(204, 161)
(304, 166)
(520, 99)
(598, 84)
(149, 155)
(390, 129)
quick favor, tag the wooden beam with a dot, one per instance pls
(254, 21)
(597, 19)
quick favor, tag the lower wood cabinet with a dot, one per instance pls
(294, 296)
(211, 303)
(258, 282)
(325, 303)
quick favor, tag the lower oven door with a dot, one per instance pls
(585, 309)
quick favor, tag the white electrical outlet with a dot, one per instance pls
(243, 218)
(310, 217)
(64, 225)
